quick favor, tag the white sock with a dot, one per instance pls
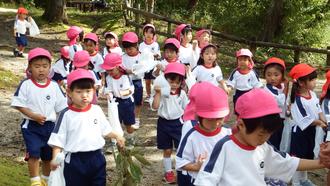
(44, 177)
(167, 163)
(298, 177)
(37, 178)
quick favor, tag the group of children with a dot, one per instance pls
(189, 120)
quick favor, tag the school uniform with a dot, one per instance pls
(280, 97)
(117, 50)
(125, 103)
(128, 62)
(212, 75)
(163, 64)
(234, 164)
(326, 111)
(169, 123)
(60, 70)
(154, 49)
(243, 82)
(97, 61)
(20, 27)
(80, 132)
(186, 55)
(194, 143)
(73, 49)
(47, 100)
(303, 138)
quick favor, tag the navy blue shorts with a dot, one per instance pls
(303, 142)
(36, 137)
(85, 169)
(21, 40)
(126, 111)
(184, 180)
(237, 94)
(138, 92)
(168, 132)
(148, 75)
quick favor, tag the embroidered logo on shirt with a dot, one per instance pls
(121, 85)
(262, 164)
(152, 48)
(212, 75)
(95, 121)
(136, 61)
(48, 97)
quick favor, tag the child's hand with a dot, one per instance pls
(321, 124)
(159, 66)
(157, 89)
(29, 18)
(53, 165)
(120, 141)
(128, 71)
(39, 118)
(194, 44)
(157, 56)
(200, 160)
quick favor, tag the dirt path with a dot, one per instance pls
(10, 134)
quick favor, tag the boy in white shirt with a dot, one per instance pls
(20, 30)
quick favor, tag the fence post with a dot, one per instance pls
(328, 56)
(253, 46)
(169, 29)
(137, 19)
(296, 56)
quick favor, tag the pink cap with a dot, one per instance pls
(79, 74)
(92, 36)
(81, 58)
(256, 103)
(177, 68)
(65, 52)
(72, 34)
(178, 31)
(36, 52)
(149, 25)
(207, 101)
(208, 45)
(199, 33)
(130, 37)
(173, 41)
(275, 60)
(111, 61)
(245, 52)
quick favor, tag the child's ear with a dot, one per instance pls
(240, 124)
(68, 92)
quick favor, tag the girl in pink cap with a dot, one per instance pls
(183, 33)
(243, 78)
(245, 157)
(119, 86)
(75, 35)
(209, 106)
(111, 44)
(149, 44)
(207, 68)
(307, 117)
(62, 67)
(91, 43)
(203, 38)
(38, 99)
(170, 108)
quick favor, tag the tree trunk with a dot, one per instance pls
(273, 20)
(150, 4)
(56, 11)
(191, 4)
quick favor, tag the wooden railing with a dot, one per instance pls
(129, 11)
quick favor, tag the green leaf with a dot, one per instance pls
(142, 160)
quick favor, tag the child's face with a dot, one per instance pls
(81, 98)
(114, 72)
(258, 137)
(209, 56)
(110, 42)
(170, 54)
(175, 83)
(90, 46)
(243, 62)
(212, 124)
(148, 35)
(273, 76)
(22, 16)
(131, 51)
(205, 38)
(308, 84)
(187, 37)
(39, 69)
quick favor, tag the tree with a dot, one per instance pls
(55, 11)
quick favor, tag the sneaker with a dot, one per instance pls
(169, 177)
(307, 183)
(36, 183)
(44, 182)
(15, 51)
(20, 54)
(137, 124)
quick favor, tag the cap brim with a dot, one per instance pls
(261, 114)
(213, 114)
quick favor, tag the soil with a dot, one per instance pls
(10, 134)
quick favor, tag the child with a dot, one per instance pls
(245, 158)
(183, 33)
(171, 51)
(111, 44)
(243, 78)
(207, 68)
(307, 117)
(276, 85)
(132, 56)
(170, 111)
(38, 99)
(120, 86)
(80, 131)
(203, 38)
(62, 67)
(210, 106)
(91, 43)
(149, 44)
(75, 36)
(20, 30)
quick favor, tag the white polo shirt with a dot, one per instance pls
(21, 26)
(279, 96)
(129, 61)
(97, 61)
(153, 48)
(117, 50)
(244, 82)
(212, 75)
(120, 84)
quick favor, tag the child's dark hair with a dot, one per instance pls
(277, 67)
(173, 76)
(109, 36)
(201, 60)
(86, 40)
(147, 28)
(295, 85)
(269, 123)
(171, 46)
(327, 96)
(81, 35)
(186, 30)
(84, 83)
(39, 58)
(129, 44)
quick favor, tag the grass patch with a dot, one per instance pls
(8, 80)
(13, 173)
